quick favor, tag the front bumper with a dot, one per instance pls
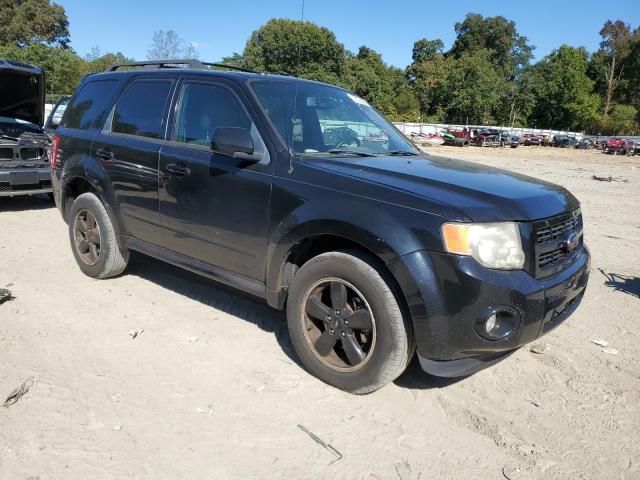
(448, 295)
(25, 181)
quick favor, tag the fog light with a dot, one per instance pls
(500, 324)
(490, 324)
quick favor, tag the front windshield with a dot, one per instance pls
(327, 121)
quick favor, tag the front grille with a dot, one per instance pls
(32, 153)
(552, 232)
(6, 153)
(551, 237)
(550, 257)
(7, 187)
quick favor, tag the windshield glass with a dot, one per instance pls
(326, 120)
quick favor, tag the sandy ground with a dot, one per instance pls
(212, 388)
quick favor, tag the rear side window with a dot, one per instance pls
(141, 108)
(88, 104)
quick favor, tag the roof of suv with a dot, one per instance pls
(194, 67)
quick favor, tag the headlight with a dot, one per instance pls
(494, 245)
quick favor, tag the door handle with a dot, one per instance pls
(104, 154)
(177, 170)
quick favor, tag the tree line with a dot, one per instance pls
(488, 76)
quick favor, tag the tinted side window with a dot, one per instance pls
(204, 108)
(88, 104)
(140, 109)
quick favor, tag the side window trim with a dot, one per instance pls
(172, 126)
(108, 123)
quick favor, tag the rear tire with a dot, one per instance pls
(93, 239)
(384, 344)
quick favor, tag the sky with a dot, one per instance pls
(218, 28)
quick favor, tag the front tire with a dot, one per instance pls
(346, 324)
(93, 239)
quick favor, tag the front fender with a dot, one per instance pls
(386, 230)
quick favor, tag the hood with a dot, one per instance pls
(21, 92)
(484, 194)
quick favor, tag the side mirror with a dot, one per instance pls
(234, 142)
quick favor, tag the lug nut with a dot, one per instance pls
(332, 331)
(337, 312)
(346, 322)
(342, 334)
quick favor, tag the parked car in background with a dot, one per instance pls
(585, 143)
(633, 147)
(507, 139)
(373, 249)
(616, 146)
(531, 139)
(564, 141)
(24, 160)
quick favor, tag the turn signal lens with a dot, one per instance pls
(456, 238)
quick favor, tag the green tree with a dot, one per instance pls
(29, 22)
(615, 46)
(96, 61)
(509, 50)
(296, 48)
(384, 87)
(563, 91)
(425, 50)
(473, 85)
(631, 92)
(621, 121)
(429, 79)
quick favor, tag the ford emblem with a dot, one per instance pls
(572, 242)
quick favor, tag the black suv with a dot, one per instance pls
(24, 160)
(373, 248)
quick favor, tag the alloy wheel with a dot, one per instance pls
(338, 324)
(87, 237)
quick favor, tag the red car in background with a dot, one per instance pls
(616, 146)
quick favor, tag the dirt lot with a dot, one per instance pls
(212, 389)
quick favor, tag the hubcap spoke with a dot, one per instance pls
(352, 349)
(359, 319)
(325, 343)
(338, 295)
(93, 236)
(316, 309)
(83, 246)
(82, 225)
(93, 250)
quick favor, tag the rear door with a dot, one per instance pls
(128, 147)
(84, 115)
(216, 210)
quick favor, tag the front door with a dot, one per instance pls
(214, 208)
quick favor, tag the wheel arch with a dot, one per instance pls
(83, 175)
(321, 236)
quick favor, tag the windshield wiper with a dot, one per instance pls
(404, 153)
(349, 152)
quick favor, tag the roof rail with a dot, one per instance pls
(188, 63)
